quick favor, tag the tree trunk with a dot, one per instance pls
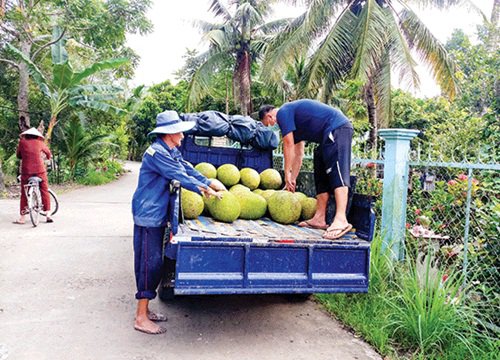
(52, 123)
(2, 180)
(227, 94)
(494, 31)
(372, 117)
(23, 93)
(244, 82)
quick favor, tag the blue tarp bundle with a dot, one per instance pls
(240, 128)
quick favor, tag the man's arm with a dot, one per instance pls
(299, 156)
(289, 157)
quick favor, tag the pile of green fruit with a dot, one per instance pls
(250, 196)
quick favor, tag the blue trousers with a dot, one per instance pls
(148, 260)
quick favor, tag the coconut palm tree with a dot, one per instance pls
(367, 40)
(234, 46)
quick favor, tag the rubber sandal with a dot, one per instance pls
(50, 220)
(308, 225)
(157, 317)
(161, 330)
(341, 232)
(18, 222)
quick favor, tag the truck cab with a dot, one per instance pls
(207, 257)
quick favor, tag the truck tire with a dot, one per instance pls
(166, 288)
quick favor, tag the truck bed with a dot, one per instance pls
(256, 231)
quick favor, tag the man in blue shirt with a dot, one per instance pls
(313, 121)
(153, 208)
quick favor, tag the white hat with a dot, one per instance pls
(169, 122)
(33, 131)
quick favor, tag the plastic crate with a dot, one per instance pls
(253, 158)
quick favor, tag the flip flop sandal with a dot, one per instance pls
(160, 330)
(157, 317)
(341, 232)
(50, 220)
(18, 222)
(308, 225)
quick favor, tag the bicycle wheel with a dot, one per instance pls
(54, 203)
(34, 204)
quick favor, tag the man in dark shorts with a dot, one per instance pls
(313, 121)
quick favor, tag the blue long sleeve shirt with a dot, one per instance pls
(160, 165)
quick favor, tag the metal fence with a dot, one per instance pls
(452, 209)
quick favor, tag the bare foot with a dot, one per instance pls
(336, 230)
(147, 326)
(156, 316)
(313, 224)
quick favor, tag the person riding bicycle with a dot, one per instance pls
(29, 150)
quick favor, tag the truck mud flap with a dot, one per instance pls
(249, 268)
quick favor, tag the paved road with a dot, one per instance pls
(67, 293)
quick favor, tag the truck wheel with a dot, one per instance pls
(166, 288)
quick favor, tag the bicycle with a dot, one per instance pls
(34, 197)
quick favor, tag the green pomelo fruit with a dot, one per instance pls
(270, 179)
(191, 203)
(207, 170)
(228, 174)
(226, 209)
(300, 196)
(258, 191)
(308, 208)
(250, 178)
(266, 194)
(284, 207)
(253, 206)
(239, 188)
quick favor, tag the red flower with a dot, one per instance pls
(452, 182)
(408, 225)
(371, 165)
(445, 277)
(462, 177)
(418, 212)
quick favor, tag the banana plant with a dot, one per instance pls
(67, 87)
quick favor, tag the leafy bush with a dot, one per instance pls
(413, 310)
(103, 174)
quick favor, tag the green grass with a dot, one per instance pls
(410, 313)
(103, 175)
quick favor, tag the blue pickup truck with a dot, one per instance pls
(207, 257)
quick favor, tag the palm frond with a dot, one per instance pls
(206, 26)
(219, 10)
(218, 38)
(199, 85)
(273, 26)
(430, 51)
(246, 13)
(299, 34)
(333, 58)
(381, 84)
(400, 54)
(371, 38)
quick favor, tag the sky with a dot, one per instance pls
(161, 51)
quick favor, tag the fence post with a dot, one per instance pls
(397, 146)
